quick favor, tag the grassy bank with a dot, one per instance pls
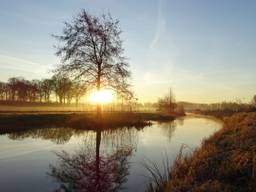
(226, 112)
(225, 162)
(14, 122)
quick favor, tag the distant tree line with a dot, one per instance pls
(232, 106)
(55, 89)
(225, 109)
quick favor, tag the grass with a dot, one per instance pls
(20, 106)
(10, 122)
(225, 162)
(226, 112)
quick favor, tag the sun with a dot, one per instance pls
(102, 96)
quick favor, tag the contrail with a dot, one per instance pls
(160, 25)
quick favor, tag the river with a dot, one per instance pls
(52, 159)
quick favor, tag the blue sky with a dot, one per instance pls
(204, 49)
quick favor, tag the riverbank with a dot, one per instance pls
(19, 121)
(222, 113)
(225, 162)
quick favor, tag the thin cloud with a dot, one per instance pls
(161, 23)
(17, 63)
(17, 59)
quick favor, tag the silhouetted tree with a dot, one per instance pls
(62, 87)
(6, 91)
(47, 87)
(37, 93)
(2, 90)
(126, 97)
(12, 86)
(254, 100)
(57, 88)
(78, 90)
(167, 103)
(20, 89)
(91, 51)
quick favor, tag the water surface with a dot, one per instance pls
(57, 158)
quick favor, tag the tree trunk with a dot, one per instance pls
(77, 100)
(98, 139)
(99, 107)
(99, 110)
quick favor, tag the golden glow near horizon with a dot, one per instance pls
(102, 96)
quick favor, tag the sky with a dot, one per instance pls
(205, 50)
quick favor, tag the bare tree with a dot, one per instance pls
(18, 88)
(31, 91)
(12, 86)
(254, 100)
(47, 87)
(36, 93)
(78, 90)
(2, 90)
(62, 87)
(167, 103)
(57, 87)
(91, 51)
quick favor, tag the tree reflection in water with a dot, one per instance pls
(92, 170)
(56, 135)
(62, 135)
(169, 127)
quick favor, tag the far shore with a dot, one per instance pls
(20, 120)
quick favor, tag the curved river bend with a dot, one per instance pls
(63, 158)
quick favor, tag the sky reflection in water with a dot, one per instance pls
(54, 158)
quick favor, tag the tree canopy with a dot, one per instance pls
(91, 50)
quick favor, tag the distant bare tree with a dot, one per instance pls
(18, 88)
(91, 51)
(56, 79)
(62, 87)
(2, 90)
(6, 91)
(12, 86)
(167, 103)
(78, 90)
(31, 91)
(254, 100)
